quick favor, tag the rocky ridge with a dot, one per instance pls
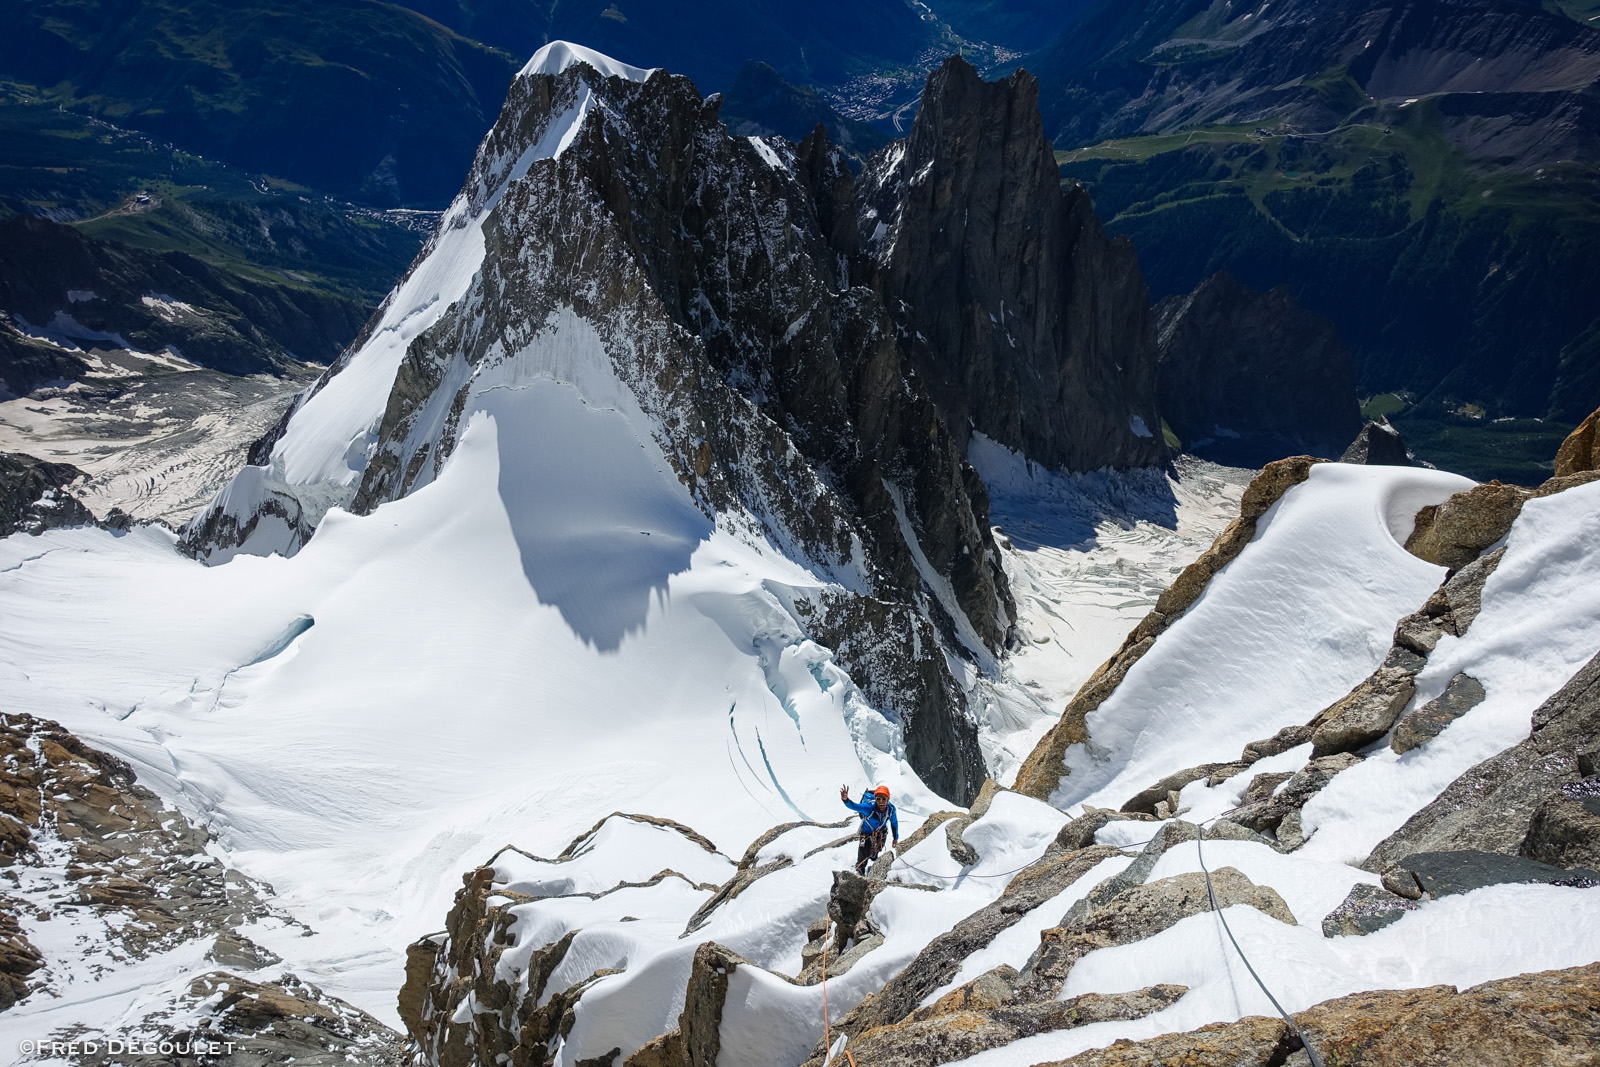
(35, 496)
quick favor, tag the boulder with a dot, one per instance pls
(1580, 452)
(1456, 532)
(1365, 909)
(1145, 802)
(1366, 714)
(1379, 445)
(1565, 830)
(1461, 695)
(1282, 741)
(1080, 832)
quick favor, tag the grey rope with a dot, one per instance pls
(957, 877)
(1316, 1061)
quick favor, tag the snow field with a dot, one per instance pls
(434, 709)
(1287, 628)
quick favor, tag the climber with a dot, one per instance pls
(877, 819)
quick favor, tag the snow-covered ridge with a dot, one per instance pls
(557, 56)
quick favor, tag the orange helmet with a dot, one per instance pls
(881, 791)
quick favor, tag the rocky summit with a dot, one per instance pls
(775, 321)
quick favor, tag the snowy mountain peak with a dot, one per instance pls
(557, 56)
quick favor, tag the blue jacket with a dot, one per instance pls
(871, 818)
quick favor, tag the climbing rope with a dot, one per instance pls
(1316, 1061)
(957, 877)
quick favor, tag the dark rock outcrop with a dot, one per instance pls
(1443, 874)
(34, 496)
(1461, 695)
(1246, 377)
(1377, 445)
(1026, 321)
(1365, 909)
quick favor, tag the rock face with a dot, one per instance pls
(1027, 322)
(34, 497)
(1491, 807)
(1246, 377)
(1547, 1018)
(1378, 444)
